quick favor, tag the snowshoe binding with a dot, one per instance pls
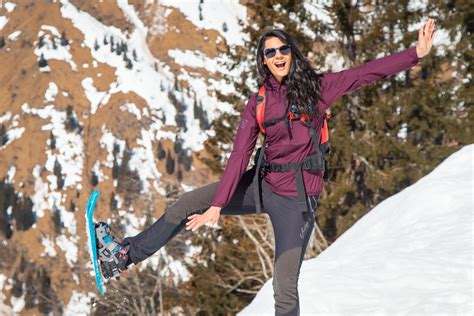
(111, 255)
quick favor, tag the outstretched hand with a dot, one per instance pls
(425, 38)
(211, 217)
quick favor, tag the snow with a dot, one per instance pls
(410, 255)
(442, 42)
(51, 92)
(18, 303)
(48, 51)
(40, 196)
(132, 224)
(143, 161)
(49, 249)
(52, 29)
(10, 6)
(144, 80)
(132, 108)
(215, 13)
(108, 141)
(11, 174)
(69, 145)
(417, 5)
(12, 132)
(333, 62)
(79, 304)
(14, 36)
(95, 97)
(5, 117)
(402, 133)
(69, 248)
(3, 21)
(98, 172)
(3, 307)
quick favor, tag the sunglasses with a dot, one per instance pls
(271, 52)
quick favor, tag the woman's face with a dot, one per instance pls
(279, 64)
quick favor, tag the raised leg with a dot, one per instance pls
(174, 219)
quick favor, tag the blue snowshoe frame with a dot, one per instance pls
(91, 226)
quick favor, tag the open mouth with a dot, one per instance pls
(280, 65)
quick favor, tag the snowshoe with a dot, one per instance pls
(111, 255)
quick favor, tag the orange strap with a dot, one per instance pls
(260, 108)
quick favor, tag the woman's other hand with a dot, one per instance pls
(210, 217)
(425, 38)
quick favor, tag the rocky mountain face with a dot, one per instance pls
(110, 95)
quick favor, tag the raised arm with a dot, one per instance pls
(336, 84)
(244, 144)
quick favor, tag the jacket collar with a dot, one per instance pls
(273, 84)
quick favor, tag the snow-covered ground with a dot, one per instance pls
(410, 255)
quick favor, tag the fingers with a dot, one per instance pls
(428, 28)
(197, 220)
(194, 222)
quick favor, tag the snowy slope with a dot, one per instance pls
(410, 255)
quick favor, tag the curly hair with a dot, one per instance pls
(303, 82)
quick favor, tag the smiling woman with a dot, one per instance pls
(290, 186)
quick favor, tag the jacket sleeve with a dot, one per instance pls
(244, 144)
(336, 84)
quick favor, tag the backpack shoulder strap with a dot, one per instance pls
(260, 108)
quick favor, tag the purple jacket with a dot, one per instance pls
(284, 147)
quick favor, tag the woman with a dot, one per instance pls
(289, 79)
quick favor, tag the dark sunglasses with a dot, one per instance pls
(271, 52)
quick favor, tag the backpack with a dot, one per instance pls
(314, 162)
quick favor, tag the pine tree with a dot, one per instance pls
(95, 179)
(124, 46)
(200, 11)
(2, 42)
(40, 41)
(57, 170)
(7, 199)
(52, 141)
(118, 51)
(42, 62)
(3, 135)
(161, 153)
(57, 220)
(129, 64)
(134, 54)
(72, 207)
(169, 163)
(113, 202)
(64, 40)
(96, 45)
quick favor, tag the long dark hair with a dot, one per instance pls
(303, 82)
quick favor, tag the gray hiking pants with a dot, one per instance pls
(292, 229)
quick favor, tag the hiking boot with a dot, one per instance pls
(112, 256)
